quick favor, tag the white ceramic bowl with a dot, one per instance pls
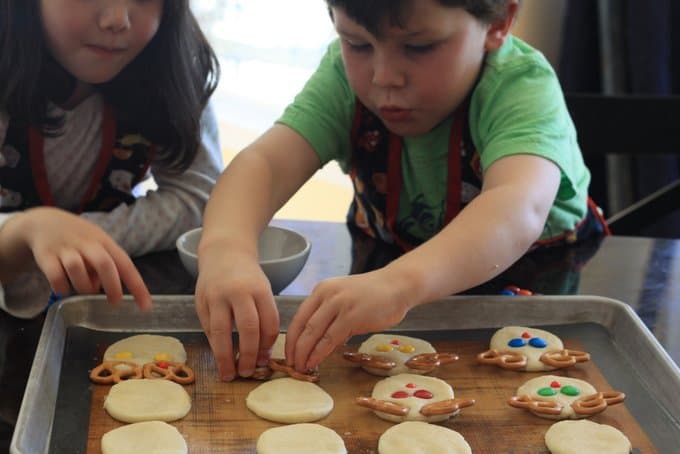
(282, 254)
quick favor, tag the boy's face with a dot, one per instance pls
(95, 39)
(414, 77)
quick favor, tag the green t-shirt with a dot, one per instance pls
(517, 107)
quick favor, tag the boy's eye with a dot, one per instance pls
(419, 48)
(358, 47)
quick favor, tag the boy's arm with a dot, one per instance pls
(231, 288)
(490, 234)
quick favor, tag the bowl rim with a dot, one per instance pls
(304, 251)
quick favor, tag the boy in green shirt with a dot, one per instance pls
(460, 149)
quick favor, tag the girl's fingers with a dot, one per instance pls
(218, 329)
(104, 265)
(314, 331)
(77, 273)
(336, 334)
(297, 325)
(55, 274)
(248, 325)
(127, 273)
(269, 328)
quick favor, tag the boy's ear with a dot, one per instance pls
(498, 30)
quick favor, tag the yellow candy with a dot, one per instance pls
(384, 348)
(123, 355)
(407, 348)
(162, 357)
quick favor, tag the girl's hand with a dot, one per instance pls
(75, 255)
(340, 308)
(232, 289)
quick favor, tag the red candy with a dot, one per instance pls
(526, 335)
(400, 395)
(555, 384)
(512, 288)
(524, 292)
(162, 364)
(395, 342)
(423, 394)
(411, 385)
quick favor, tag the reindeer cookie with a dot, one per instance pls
(411, 397)
(390, 354)
(553, 397)
(529, 349)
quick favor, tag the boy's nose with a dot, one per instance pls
(386, 73)
(115, 17)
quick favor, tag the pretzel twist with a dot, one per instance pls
(544, 407)
(429, 361)
(279, 365)
(174, 371)
(371, 361)
(109, 372)
(596, 403)
(382, 406)
(564, 358)
(444, 407)
(505, 359)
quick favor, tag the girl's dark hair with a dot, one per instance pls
(371, 13)
(161, 93)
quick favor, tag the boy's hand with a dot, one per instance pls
(76, 255)
(340, 308)
(232, 289)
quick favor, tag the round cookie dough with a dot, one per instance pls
(585, 437)
(146, 348)
(300, 439)
(412, 391)
(415, 437)
(147, 437)
(395, 348)
(147, 400)
(530, 342)
(567, 391)
(289, 401)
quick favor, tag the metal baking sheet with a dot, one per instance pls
(630, 358)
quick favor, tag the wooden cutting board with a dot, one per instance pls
(219, 421)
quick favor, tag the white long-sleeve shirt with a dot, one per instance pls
(152, 223)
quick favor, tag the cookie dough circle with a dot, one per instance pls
(395, 348)
(300, 439)
(585, 437)
(409, 385)
(531, 388)
(415, 437)
(149, 437)
(144, 348)
(147, 400)
(502, 337)
(289, 401)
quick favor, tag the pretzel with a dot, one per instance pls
(564, 358)
(382, 406)
(544, 407)
(447, 406)
(108, 372)
(504, 359)
(279, 365)
(429, 361)
(169, 370)
(595, 403)
(371, 361)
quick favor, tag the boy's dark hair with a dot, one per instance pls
(162, 92)
(371, 13)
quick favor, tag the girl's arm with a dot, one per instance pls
(157, 219)
(488, 236)
(231, 288)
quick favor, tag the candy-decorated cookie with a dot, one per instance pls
(553, 397)
(411, 397)
(585, 437)
(530, 349)
(415, 437)
(144, 355)
(391, 354)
